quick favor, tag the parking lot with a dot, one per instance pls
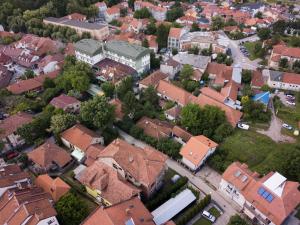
(244, 51)
(287, 100)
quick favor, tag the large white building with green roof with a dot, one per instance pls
(132, 55)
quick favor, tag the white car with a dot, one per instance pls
(291, 103)
(243, 126)
(208, 216)
(286, 126)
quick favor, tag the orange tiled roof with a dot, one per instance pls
(99, 176)
(47, 153)
(180, 132)
(175, 32)
(143, 164)
(213, 94)
(287, 51)
(153, 79)
(121, 213)
(291, 78)
(197, 148)
(55, 187)
(118, 108)
(92, 154)
(79, 136)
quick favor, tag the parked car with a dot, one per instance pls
(290, 96)
(291, 103)
(286, 126)
(208, 216)
(243, 126)
(12, 155)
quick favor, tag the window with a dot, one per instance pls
(115, 166)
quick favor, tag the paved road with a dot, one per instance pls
(229, 207)
(237, 55)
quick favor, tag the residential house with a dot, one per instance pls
(79, 138)
(101, 9)
(5, 76)
(112, 13)
(186, 21)
(267, 199)
(92, 154)
(66, 103)
(152, 80)
(96, 30)
(27, 206)
(158, 12)
(55, 187)
(282, 80)
(174, 37)
(33, 84)
(199, 62)
(170, 67)
(49, 157)
(279, 52)
(143, 167)
(196, 151)
(131, 211)
(173, 113)
(155, 128)
(181, 135)
(104, 183)
(219, 74)
(12, 177)
(257, 80)
(8, 130)
(152, 43)
(50, 63)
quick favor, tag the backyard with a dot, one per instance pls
(202, 221)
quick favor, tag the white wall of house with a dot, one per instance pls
(188, 163)
(284, 86)
(92, 60)
(256, 214)
(232, 192)
(51, 220)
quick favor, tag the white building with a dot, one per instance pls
(282, 80)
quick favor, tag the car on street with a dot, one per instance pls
(286, 126)
(208, 216)
(290, 102)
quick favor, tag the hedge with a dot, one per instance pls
(193, 211)
(166, 194)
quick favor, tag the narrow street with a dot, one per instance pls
(229, 207)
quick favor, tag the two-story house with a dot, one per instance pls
(196, 151)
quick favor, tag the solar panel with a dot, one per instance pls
(261, 191)
(265, 194)
(270, 198)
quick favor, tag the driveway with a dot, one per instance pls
(206, 186)
(274, 131)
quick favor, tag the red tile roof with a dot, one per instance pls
(63, 101)
(175, 32)
(287, 51)
(291, 78)
(121, 213)
(257, 79)
(153, 79)
(55, 187)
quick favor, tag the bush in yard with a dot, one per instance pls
(136, 132)
(193, 211)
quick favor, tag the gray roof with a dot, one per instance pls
(76, 23)
(126, 49)
(173, 206)
(89, 47)
(275, 75)
(197, 61)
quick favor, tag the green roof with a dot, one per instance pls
(126, 49)
(89, 47)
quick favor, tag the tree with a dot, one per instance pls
(186, 72)
(255, 111)
(259, 15)
(217, 23)
(97, 112)
(150, 95)
(48, 83)
(61, 122)
(142, 13)
(296, 66)
(195, 27)
(264, 33)
(108, 88)
(131, 4)
(154, 62)
(174, 51)
(129, 104)
(279, 26)
(71, 209)
(162, 36)
(17, 24)
(294, 41)
(237, 220)
(174, 13)
(283, 63)
(124, 87)
(151, 28)
(145, 43)
(28, 74)
(194, 50)
(246, 76)
(123, 12)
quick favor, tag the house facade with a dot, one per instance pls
(158, 12)
(196, 151)
(282, 80)
(279, 52)
(265, 200)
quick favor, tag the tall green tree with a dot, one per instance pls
(61, 122)
(186, 72)
(162, 36)
(97, 112)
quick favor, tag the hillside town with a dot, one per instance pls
(149, 112)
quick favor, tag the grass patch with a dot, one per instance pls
(260, 152)
(202, 221)
(250, 48)
(213, 211)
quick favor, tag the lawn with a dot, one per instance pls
(260, 152)
(250, 47)
(213, 211)
(290, 115)
(202, 221)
